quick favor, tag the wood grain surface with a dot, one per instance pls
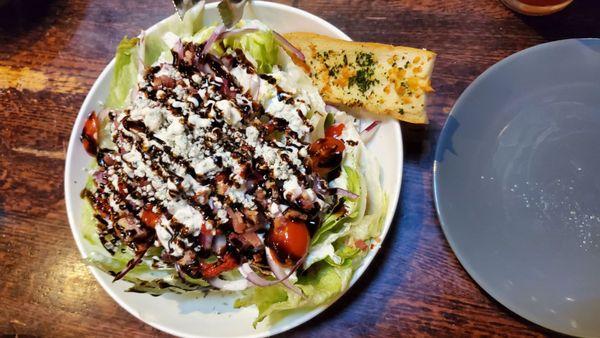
(52, 51)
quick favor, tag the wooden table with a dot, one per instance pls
(52, 51)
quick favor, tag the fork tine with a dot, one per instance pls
(182, 6)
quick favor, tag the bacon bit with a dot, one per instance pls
(89, 135)
(257, 258)
(102, 207)
(221, 186)
(108, 160)
(245, 241)
(164, 81)
(293, 214)
(201, 197)
(305, 201)
(261, 197)
(188, 258)
(252, 215)
(361, 245)
(149, 217)
(325, 154)
(212, 270)
(188, 56)
(122, 188)
(237, 220)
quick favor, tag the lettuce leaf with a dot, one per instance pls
(260, 45)
(125, 75)
(320, 286)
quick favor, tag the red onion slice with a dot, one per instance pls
(213, 38)
(371, 126)
(254, 87)
(319, 187)
(367, 133)
(229, 285)
(206, 241)
(206, 69)
(219, 244)
(255, 279)
(288, 46)
(331, 109)
(178, 48)
(280, 273)
(100, 177)
(227, 90)
(234, 32)
(141, 53)
(345, 193)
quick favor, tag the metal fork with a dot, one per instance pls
(231, 11)
(182, 6)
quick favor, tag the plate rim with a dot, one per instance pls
(473, 274)
(357, 274)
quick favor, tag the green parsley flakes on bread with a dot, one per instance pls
(382, 79)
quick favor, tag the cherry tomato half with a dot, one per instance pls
(289, 239)
(89, 135)
(149, 217)
(335, 130)
(212, 270)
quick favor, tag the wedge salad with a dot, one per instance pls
(218, 167)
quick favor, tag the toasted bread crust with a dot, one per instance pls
(383, 79)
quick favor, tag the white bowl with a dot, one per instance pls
(214, 315)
